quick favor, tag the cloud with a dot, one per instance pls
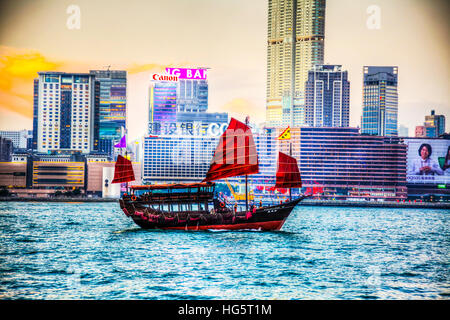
(18, 68)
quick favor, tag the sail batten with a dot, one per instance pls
(288, 174)
(123, 170)
(235, 154)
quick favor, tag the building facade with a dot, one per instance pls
(66, 113)
(6, 149)
(327, 99)
(192, 95)
(19, 138)
(13, 174)
(434, 125)
(352, 166)
(296, 34)
(112, 107)
(380, 101)
(163, 101)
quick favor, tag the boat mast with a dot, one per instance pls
(290, 153)
(126, 183)
(246, 178)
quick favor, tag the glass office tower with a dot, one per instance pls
(112, 107)
(327, 97)
(380, 101)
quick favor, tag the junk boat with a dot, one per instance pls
(197, 206)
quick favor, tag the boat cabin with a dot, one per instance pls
(175, 197)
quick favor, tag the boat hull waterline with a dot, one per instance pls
(269, 218)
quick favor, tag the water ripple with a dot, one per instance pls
(92, 251)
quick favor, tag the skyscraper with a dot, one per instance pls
(296, 33)
(327, 98)
(192, 95)
(380, 101)
(112, 107)
(434, 125)
(65, 113)
(162, 104)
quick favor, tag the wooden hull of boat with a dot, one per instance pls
(269, 218)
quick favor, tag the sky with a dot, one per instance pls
(227, 36)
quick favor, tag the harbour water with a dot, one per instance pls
(93, 251)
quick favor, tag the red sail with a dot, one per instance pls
(235, 155)
(123, 171)
(288, 175)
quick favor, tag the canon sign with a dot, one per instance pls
(164, 77)
(185, 73)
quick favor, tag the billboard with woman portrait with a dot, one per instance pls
(428, 161)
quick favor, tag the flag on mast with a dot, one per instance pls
(286, 135)
(122, 143)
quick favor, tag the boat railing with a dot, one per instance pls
(177, 197)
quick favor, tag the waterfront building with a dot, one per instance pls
(177, 158)
(13, 174)
(327, 97)
(65, 173)
(19, 138)
(100, 173)
(112, 107)
(345, 163)
(352, 166)
(296, 33)
(380, 101)
(185, 156)
(66, 112)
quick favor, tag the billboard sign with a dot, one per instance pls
(187, 129)
(186, 73)
(428, 161)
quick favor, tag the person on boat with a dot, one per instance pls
(260, 203)
(235, 207)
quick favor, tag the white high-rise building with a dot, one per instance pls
(18, 138)
(296, 33)
(66, 113)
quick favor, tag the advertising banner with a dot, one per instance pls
(186, 73)
(428, 162)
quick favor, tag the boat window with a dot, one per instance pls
(194, 207)
(161, 191)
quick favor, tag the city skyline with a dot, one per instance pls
(413, 36)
